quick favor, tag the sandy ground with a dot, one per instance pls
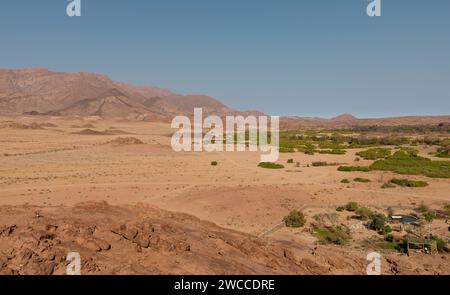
(54, 167)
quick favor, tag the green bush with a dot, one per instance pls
(364, 213)
(429, 216)
(378, 223)
(359, 179)
(353, 168)
(351, 206)
(295, 219)
(333, 152)
(409, 183)
(214, 163)
(389, 238)
(320, 164)
(290, 161)
(442, 246)
(286, 150)
(387, 185)
(339, 235)
(375, 153)
(345, 181)
(443, 152)
(269, 165)
(422, 208)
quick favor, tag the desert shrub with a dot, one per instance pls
(378, 223)
(375, 153)
(295, 219)
(409, 183)
(364, 213)
(359, 179)
(338, 235)
(427, 213)
(214, 163)
(340, 208)
(443, 152)
(429, 216)
(269, 165)
(353, 168)
(441, 244)
(387, 185)
(319, 164)
(389, 238)
(422, 208)
(345, 181)
(390, 212)
(333, 152)
(447, 208)
(409, 150)
(290, 161)
(287, 150)
(322, 218)
(351, 206)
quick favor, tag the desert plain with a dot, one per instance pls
(116, 192)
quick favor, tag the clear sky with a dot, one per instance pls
(288, 57)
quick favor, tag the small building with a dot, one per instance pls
(427, 246)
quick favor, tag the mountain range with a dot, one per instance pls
(40, 92)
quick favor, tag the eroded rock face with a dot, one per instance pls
(144, 240)
(132, 240)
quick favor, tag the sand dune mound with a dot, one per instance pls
(95, 132)
(91, 132)
(126, 141)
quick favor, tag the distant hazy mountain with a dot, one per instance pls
(42, 92)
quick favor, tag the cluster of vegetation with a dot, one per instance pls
(353, 169)
(364, 213)
(388, 185)
(333, 152)
(345, 180)
(322, 163)
(287, 150)
(375, 153)
(443, 152)
(323, 217)
(363, 180)
(350, 207)
(426, 212)
(409, 183)
(269, 165)
(295, 219)
(422, 129)
(311, 142)
(336, 141)
(290, 161)
(214, 163)
(376, 221)
(405, 162)
(338, 235)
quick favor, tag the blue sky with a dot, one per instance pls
(289, 57)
